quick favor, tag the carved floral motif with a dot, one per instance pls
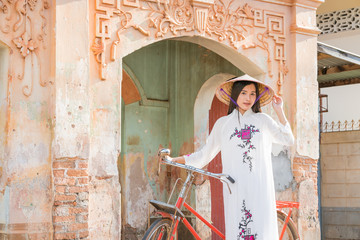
(3, 6)
(174, 16)
(32, 4)
(25, 45)
(242, 26)
(18, 21)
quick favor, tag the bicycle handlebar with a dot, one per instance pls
(164, 155)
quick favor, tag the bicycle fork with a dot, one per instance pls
(180, 202)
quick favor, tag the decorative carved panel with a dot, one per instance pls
(275, 29)
(105, 10)
(241, 26)
(24, 22)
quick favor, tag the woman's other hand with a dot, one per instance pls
(277, 103)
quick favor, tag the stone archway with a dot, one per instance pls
(247, 30)
(168, 75)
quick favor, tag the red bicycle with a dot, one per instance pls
(166, 226)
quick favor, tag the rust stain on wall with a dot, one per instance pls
(187, 147)
(30, 173)
(5, 185)
(136, 190)
(133, 140)
(97, 114)
(102, 177)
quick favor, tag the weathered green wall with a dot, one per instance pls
(169, 72)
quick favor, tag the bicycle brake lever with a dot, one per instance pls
(228, 187)
(227, 184)
(230, 179)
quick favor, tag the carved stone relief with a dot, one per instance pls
(242, 26)
(23, 22)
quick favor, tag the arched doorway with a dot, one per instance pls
(168, 76)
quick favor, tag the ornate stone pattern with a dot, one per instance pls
(242, 26)
(246, 28)
(24, 22)
(105, 10)
(273, 24)
(339, 21)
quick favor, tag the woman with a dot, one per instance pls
(245, 138)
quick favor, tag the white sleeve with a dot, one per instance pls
(280, 134)
(211, 148)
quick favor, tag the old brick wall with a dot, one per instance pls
(305, 168)
(70, 213)
(340, 185)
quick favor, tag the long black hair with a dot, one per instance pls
(236, 89)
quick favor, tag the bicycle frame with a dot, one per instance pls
(284, 204)
(165, 158)
(180, 202)
(279, 205)
(174, 212)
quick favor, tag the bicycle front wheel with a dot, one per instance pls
(159, 230)
(290, 230)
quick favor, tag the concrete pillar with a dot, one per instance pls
(87, 131)
(71, 142)
(304, 74)
(105, 135)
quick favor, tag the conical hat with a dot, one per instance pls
(223, 92)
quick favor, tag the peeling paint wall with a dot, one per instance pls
(4, 64)
(283, 176)
(4, 189)
(25, 121)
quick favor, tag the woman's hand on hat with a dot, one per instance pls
(277, 103)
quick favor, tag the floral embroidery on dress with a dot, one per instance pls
(246, 134)
(245, 230)
(236, 133)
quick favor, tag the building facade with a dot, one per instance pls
(339, 82)
(91, 89)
